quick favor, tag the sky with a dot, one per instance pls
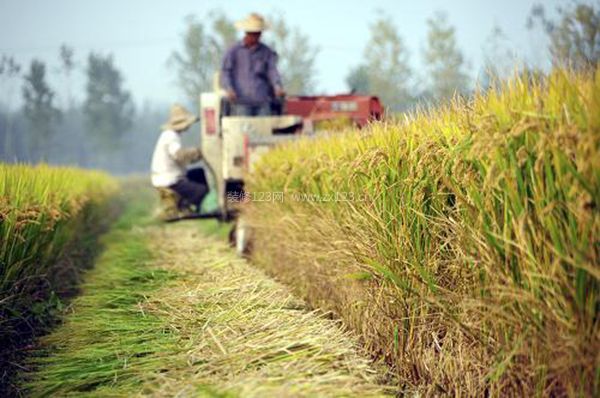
(141, 34)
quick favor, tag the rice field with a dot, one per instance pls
(461, 243)
(450, 252)
(45, 213)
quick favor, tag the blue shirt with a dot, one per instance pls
(251, 73)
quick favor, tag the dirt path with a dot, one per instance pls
(244, 333)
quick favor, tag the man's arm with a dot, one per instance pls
(227, 69)
(184, 156)
(274, 76)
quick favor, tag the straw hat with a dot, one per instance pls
(253, 23)
(179, 119)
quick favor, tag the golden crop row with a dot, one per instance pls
(472, 261)
(43, 210)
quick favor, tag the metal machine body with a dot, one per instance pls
(232, 144)
(358, 109)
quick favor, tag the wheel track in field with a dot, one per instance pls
(243, 333)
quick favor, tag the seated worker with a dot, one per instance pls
(170, 160)
(249, 72)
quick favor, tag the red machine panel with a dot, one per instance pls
(359, 108)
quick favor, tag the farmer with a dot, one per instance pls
(170, 160)
(249, 71)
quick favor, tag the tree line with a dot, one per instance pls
(106, 130)
(88, 134)
(574, 41)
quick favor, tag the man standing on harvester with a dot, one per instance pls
(170, 161)
(249, 72)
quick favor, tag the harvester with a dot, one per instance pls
(232, 144)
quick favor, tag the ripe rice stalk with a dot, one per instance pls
(477, 224)
(42, 210)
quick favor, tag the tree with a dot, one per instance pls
(574, 37)
(296, 56)
(9, 67)
(205, 44)
(499, 60)
(444, 61)
(202, 53)
(358, 80)
(224, 34)
(9, 72)
(385, 71)
(67, 66)
(108, 108)
(38, 107)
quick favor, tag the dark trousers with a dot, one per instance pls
(192, 188)
(250, 110)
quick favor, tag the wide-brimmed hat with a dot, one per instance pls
(180, 118)
(252, 23)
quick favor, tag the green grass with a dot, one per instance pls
(107, 341)
(216, 228)
(469, 257)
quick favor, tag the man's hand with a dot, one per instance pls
(231, 95)
(186, 156)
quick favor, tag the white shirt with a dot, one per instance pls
(165, 170)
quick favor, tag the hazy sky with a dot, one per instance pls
(141, 34)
